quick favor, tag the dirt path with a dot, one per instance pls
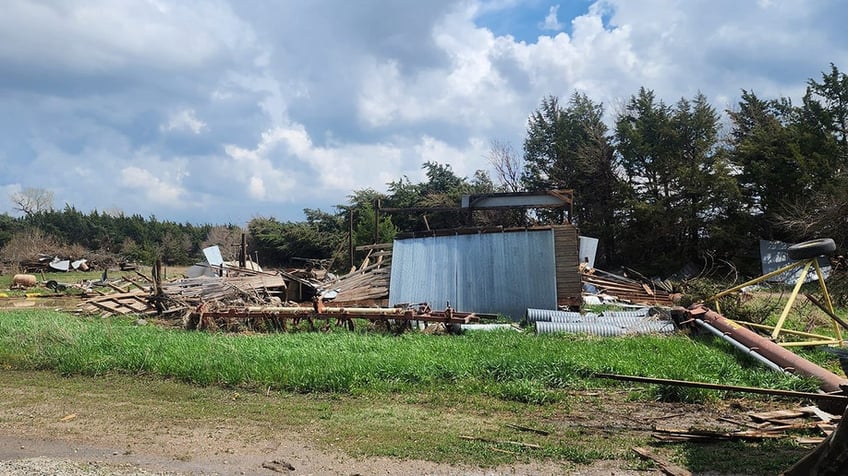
(50, 425)
(103, 426)
(194, 451)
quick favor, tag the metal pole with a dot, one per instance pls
(791, 300)
(350, 235)
(752, 352)
(768, 349)
(827, 300)
(756, 280)
(376, 220)
(836, 399)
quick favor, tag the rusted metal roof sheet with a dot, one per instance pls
(505, 272)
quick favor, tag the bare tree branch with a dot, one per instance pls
(32, 200)
(508, 165)
(821, 217)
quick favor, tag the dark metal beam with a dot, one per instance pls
(839, 399)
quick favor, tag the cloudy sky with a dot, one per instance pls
(217, 112)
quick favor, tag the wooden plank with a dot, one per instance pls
(134, 283)
(809, 440)
(820, 414)
(117, 288)
(378, 246)
(776, 415)
(136, 306)
(108, 306)
(826, 428)
(566, 263)
(666, 466)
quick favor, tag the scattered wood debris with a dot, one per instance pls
(176, 297)
(626, 289)
(764, 425)
(366, 285)
(135, 302)
(667, 467)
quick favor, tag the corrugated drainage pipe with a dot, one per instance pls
(535, 315)
(618, 321)
(753, 353)
(605, 329)
(638, 313)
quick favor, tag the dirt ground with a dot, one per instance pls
(104, 450)
(38, 435)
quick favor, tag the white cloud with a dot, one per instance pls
(97, 37)
(185, 120)
(225, 110)
(6, 191)
(153, 186)
(551, 23)
(256, 188)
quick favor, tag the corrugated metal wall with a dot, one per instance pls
(505, 272)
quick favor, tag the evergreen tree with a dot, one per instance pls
(569, 148)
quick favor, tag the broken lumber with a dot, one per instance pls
(666, 466)
(828, 458)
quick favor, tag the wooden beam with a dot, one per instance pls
(666, 466)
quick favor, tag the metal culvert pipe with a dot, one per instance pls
(785, 359)
(618, 321)
(637, 313)
(536, 315)
(577, 318)
(604, 329)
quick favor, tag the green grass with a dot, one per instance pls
(407, 396)
(71, 277)
(510, 366)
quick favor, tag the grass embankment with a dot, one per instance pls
(410, 396)
(507, 365)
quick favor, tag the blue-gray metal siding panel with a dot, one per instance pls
(486, 273)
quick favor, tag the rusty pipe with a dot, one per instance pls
(785, 359)
(364, 311)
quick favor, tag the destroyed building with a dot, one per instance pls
(491, 270)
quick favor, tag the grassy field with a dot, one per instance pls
(395, 396)
(508, 365)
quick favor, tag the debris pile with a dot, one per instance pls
(50, 263)
(369, 285)
(763, 425)
(366, 285)
(182, 295)
(603, 287)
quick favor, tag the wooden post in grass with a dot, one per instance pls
(830, 458)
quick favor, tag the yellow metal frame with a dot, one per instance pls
(817, 339)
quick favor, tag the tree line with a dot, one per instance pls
(661, 186)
